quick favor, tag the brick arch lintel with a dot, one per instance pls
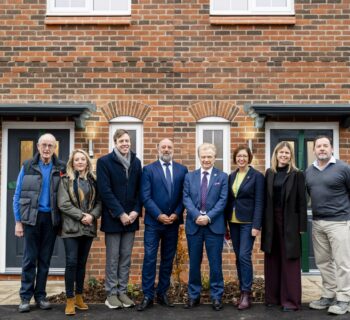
(134, 109)
(220, 109)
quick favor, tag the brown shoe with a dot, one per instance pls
(237, 301)
(79, 302)
(70, 307)
(245, 302)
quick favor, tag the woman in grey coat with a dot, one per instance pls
(80, 208)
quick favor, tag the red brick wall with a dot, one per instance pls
(170, 68)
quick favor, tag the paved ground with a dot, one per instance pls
(9, 289)
(203, 312)
(9, 300)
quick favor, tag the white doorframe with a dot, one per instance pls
(300, 126)
(3, 208)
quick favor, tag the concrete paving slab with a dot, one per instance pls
(9, 291)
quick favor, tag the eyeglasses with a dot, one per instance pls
(49, 146)
(242, 156)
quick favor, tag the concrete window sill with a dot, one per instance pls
(117, 20)
(238, 20)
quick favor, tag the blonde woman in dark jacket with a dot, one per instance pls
(285, 218)
(80, 208)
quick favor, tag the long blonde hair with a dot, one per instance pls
(70, 169)
(274, 161)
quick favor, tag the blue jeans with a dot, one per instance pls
(77, 252)
(39, 241)
(167, 236)
(243, 241)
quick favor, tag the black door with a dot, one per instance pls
(22, 146)
(302, 141)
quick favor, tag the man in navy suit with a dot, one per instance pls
(205, 195)
(161, 194)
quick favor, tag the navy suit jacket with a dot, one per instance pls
(249, 203)
(154, 192)
(216, 200)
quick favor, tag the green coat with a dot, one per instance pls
(72, 214)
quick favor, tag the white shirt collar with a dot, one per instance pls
(209, 171)
(162, 162)
(331, 160)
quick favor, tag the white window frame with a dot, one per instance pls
(215, 123)
(127, 123)
(84, 11)
(253, 10)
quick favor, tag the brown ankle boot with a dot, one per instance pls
(79, 302)
(237, 301)
(245, 302)
(70, 307)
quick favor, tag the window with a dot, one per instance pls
(215, 130)
(134, 127)
(89, 7)
(251, 7)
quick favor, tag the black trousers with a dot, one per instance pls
(282, 275)
(77, 252)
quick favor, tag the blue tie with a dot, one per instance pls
(168, 177)
(204, 188)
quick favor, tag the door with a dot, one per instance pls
(302, 141)
(22, 146)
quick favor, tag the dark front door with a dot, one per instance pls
(22, 146)
(302, 141)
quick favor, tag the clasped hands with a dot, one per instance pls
(127, 219)
(87, 219)
(163, 218)
(202, 220)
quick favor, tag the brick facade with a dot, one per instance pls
(171, 67)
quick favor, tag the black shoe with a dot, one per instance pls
(217, 305)
(288, 309)
(146, 303)
(24, 306)
(164, 301)
(192, 303)
(43, 304)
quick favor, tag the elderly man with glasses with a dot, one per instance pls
(37, 219)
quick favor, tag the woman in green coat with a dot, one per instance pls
(80, 208)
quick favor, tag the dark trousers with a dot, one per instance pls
(282, 275)
(39, 241)
(77, 252)
(213, 245)
(167, 236)
(242, 241)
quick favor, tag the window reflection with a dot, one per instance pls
(216, 138)
(57, 151)
(26, 151)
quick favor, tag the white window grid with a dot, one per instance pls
(252, 8)
(87, 9)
